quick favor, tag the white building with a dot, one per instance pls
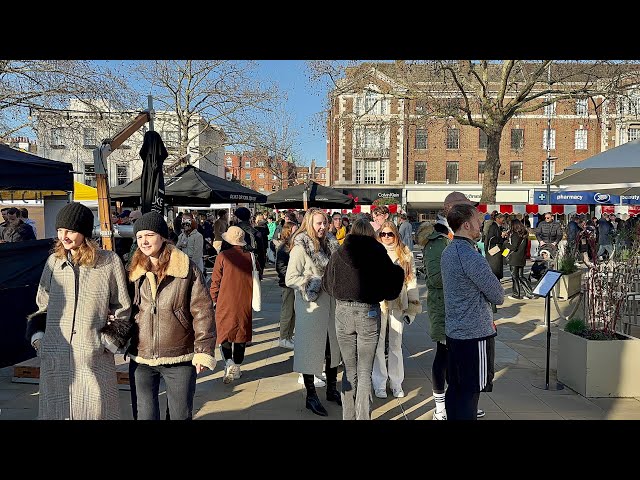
(72, 136)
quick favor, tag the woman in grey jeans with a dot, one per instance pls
(359, 276)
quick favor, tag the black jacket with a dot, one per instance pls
(549, 232)
(361, 271)
(282, 261)
(518, 249)
(255, 244)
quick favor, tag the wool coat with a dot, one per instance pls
(315, 308)
(77, 374)
(493, 239)
(231, 292)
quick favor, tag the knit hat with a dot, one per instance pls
(152, 221)
(243, 214)
(75, 216)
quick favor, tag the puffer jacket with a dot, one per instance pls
(431, 255)
(174, 320)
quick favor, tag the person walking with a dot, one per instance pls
(406, 231)
(191, 242)
(231, 293)
(470, 288)
(315, 309)
(395, 313)
(352, 277)
(174, 334)
(287, 312)
(83, 317)
(517, 245)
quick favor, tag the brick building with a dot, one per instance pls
(259, 172)
(312, 172)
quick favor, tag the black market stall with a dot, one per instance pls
(316, 196)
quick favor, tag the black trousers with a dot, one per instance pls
(470, 369)
(331, 373)
(439, 368)
(233, 350)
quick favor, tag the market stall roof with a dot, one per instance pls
(317, 196)
(26, 171)
(191, 187)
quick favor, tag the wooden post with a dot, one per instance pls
(305, 197)
(104, 211)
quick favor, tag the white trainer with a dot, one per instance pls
(236, 371)
(398, 392)
(228, 372)
(285, 343)
(440, 415)
(381, 393)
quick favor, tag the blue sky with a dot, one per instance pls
(304, 100)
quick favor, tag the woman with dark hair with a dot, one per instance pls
(82, 319)
(517, 244)
(287, 312)
(175, 332)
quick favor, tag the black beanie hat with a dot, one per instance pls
(152, 221)
(75, 216)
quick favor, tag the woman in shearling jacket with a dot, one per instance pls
(396, 312)
(174, 334)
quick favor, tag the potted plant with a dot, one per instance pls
(570, 282)
(594, 358)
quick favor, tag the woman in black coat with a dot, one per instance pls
(494, 238)
(517, 245)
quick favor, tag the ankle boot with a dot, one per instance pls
(333, 394)
(313, 403)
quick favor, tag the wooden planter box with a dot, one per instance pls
(568, 285)
(599, 368)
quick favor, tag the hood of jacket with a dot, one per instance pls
(356, 250)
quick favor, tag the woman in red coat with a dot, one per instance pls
(231, 292)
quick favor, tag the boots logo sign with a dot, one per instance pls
(602, 197)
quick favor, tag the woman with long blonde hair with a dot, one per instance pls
(315, 323)
(396, 313)
(83, 317)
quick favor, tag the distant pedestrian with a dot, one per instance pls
(287, 312)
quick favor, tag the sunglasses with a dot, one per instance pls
(387, 234)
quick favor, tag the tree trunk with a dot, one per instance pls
(491, 167)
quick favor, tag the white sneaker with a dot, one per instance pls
(228, 372)
(317, 382)
(236, 371)
(440, 416)
(398, 392)
(285, 343)
(381, 393)
(480, 413)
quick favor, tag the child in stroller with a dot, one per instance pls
(542, 262)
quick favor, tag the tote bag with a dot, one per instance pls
(256, 300)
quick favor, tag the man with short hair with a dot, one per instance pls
(252, 236)
(605, 229)
(24, 214)
(380, 215)
(16, 230)
(405, 231)
(549, 233)
(4, 219)
(470, 287)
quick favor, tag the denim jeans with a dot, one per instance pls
(358, 335)
(180, 380)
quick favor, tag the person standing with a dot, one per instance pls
(406, 231)
(395, 313)
(337, 228)
(15, 229)
(219, 227)
(517, 245)
(190, 241)
(83, 317)
(380, 215)
(231, 293)
(24, 215)
(175, 332)
(352, 277)
(255, 240)
(470, 288)
(549, 233)
(287, 312)
(315, 309)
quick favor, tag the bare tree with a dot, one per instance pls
(27, 86)
(487, 94)
(204, 95)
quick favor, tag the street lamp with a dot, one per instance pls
(549, 158)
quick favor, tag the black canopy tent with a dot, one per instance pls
(317, 196)
(25, 171)
(191, 187)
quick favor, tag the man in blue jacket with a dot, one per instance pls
(470, 287)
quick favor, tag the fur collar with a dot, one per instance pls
(178, 265)
(319, 258)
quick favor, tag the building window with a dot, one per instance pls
(261, 189)
(273, 177)
(358, 171)
(89, 175)
(481, 172)
(517, 138)
(371, 172)
(550, 110)
(516, 172)
(305, 176)
(420, 172)
(553, 139)
(383, 172)
(229, 162)
(122, 174)
(57, 137)
(482, 140)
(247, 176)
(90, 137)
(421, 139)
(229, 175)
(453, 138)
(452, 172)
(274, 187)
(630, 105)
(581, 140)
(634, 134)
(545, 180)
(371, 141)
(171, 139)
(582, 108)
(374, 104)
(247, 164)
(261, 175)
(323, 176)
(421, 107)
(260, 163)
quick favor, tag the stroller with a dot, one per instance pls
(543, 262)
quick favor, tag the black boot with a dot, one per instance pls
(313, 402)
(333, 395)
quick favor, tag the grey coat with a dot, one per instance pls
(77, 374)
(314, 319)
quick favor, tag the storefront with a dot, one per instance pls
(366, 196)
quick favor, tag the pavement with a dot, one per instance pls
(269, 389)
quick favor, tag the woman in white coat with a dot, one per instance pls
(315, 310)
(396, 313)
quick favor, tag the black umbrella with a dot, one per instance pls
(192, 187)
(153, 154)
(317, 196)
